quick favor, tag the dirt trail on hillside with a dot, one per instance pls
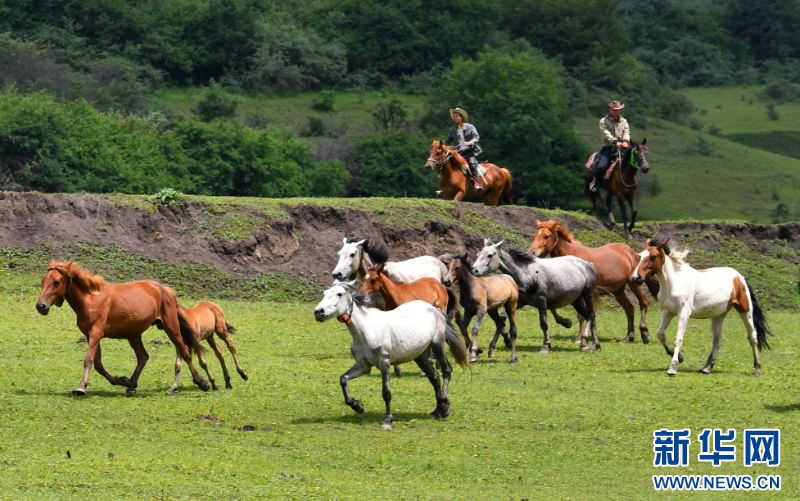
(305, 242)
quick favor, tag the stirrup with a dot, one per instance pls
(593, 186)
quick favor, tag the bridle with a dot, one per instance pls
(347, 317)
(633, 163)
(438, 164)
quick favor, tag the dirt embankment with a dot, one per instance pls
(305, 241)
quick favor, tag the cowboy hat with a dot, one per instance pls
(460, 112)
(615, 105)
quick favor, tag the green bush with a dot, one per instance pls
(393, 165)
(324, 101)
(216, 103)
(517, 104)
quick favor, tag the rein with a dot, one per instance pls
(438, 164)
(632, 163)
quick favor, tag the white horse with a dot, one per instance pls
(357, 256)
(690, 293)
(385, 338)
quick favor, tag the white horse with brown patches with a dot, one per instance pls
(689, 293)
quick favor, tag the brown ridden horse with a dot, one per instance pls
(621, 184)
(455, 184)
(615, 264)
(202, 321)
(116, 311)
(482, 295)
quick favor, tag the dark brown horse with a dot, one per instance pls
(204, 320)
(615, 264)
(622, 183)
(455, 184)
(116, 311)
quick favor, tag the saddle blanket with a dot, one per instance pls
(590, 162)
(465, 170)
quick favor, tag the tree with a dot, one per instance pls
(392, 165)
(517, 104)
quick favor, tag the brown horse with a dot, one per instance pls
(202, 321)
(622, 183)
(429, 290)
(615, 264)
(116, 311)
(482, 295)
(455, 184)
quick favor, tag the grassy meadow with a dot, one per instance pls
(567, 425)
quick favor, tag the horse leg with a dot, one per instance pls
(683, 322)
(88, 361)
(463, 326)
(562, 321)
(98, 366)
(747, 318)
(173, 330)
(610, 206)
(178, 364)
(587, 312)
(387, 394)
(511, 311)
(218, 352)
(141, 360)
(229, 343)
(500, 327)
(581, 324)
(543, 324)
(355, 371)
(666, 318)
(425, 365)
(644, 303)
(592, 318)
(623, 301)
(475, 330)
(716, 330)
(632, 203)
(441, 356)
(624, 212)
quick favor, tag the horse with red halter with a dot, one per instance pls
(690, 293)
(116, 311)
(204, 320)
(456, 185)
(621, 182)
(615, 264)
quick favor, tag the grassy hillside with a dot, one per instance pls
(700, 176)
(738, 110)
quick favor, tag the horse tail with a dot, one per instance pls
(654, 286)
(230, 328)
(760, 321)
(597, 293)
(457, 347)
(187, 335)
(452, 303)
(505, 195)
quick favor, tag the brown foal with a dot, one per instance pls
(202, 321)
(116, 311)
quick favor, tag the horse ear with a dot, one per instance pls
(359, 244)
(498, 244)
(538, 224)
(486, 242)
(379, 269)
(644, 142)
(344, 240)
(52, 262)
(663, 245)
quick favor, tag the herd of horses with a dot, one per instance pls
(402, 311)
(619, 182)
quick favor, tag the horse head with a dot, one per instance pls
(545, 238)
(349, 259)
(651, 259)
(639, 155)
(438, 156)
(56, 284)
(488, 259)
(336, 301)
(372, 281)
(455, 269)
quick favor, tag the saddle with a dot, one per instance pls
(610, 168)
(481, 169)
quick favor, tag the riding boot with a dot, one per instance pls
(473, 167)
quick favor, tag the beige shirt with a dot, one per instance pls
(614, 130)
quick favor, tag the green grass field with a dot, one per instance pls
(561, 426)
(739, 110)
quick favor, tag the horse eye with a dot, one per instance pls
(652, 258)
(56, 282)
(353, 255)
(340, 294)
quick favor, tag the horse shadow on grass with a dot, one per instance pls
(368, 417)
(100, 393)
(783, 409)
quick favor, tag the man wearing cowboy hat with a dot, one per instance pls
(616, 134)
(466, 138)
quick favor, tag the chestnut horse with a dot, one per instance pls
(202, 321)
(622, 183)
(615, 264)
(116, 311)
(455, 184)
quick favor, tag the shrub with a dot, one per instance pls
(392, 165)
(772, 113)
(168, 196)
(215, 103)
(389, 114)
(324, 101)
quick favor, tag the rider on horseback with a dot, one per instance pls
(616, 134)
(466, 137)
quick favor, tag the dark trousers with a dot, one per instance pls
(605, 157)
(470, 157)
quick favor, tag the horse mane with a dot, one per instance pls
(678, 257)
(377, 252)
(361, 298)
(92, 284)
(521, 256)
(560, 228)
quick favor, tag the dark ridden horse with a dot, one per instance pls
(621, 183)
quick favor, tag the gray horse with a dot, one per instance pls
(545, 284)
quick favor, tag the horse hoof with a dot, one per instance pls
(491, 353)
(705, 370)
(244, 376)
(595, 348)
(757, 372)
(203, 384)
(577, 340)
(672, 371)
(228, 386)
(131, 392)
(358, 407)
(473, 358)
(215, 388)
(171, 391)
(79, 392)
(507, 343)
(545, 349)
(387, 426)
(630, 338)
(398, 371)
(124, 381)
(585, 348)
(422, 374)
(645, 338)
(434, 414)
(513, 360)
